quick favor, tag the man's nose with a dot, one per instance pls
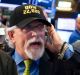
(33, 33)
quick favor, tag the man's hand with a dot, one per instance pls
(56, 42)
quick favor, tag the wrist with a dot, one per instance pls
(62, 50)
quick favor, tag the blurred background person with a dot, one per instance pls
(3, 38)
(7, 65)
(76, 33)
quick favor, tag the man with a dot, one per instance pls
(76, 33)
(26, 35)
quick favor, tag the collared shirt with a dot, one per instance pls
(34, 69)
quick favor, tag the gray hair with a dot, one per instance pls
(7, 38)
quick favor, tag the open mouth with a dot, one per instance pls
(36, 44)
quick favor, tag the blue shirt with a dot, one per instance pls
(34, 69)
(74, 36)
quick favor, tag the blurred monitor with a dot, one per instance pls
(66, 24)
(19, 2)
(64, 35)
(45, 3)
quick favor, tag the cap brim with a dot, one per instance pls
(25, 22)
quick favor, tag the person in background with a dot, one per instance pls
(76, 33)
(4, 45)
(26, 35)
(76, 47)
(7, 64)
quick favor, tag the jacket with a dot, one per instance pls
(7, 65)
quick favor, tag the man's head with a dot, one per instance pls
(78, 23)
(26, 31)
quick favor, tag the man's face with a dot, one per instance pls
(29, 41)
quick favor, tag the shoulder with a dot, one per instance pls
(73, 36)
(4, 54)
(5, 58)
(73, 33)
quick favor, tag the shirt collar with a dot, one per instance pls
(18, 59)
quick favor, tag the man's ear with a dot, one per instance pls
(10, 34)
